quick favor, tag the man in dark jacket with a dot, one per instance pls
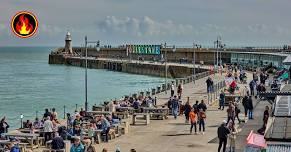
(245, 104)
(222, 133)
(58, 142)
(202, 106)
(250, 107)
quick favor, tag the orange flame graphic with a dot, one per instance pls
(23, 26)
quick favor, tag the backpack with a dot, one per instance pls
(203, 115)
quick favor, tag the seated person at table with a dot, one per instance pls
(82, 112)
(136, 104)
(70, 120)
(114, 116)
(91, 130)
(113, 121)
(274, 85)
(77, 146)
(27, 124)
(105, 126)
(37, 123)
(13, 146)
(76, 124)
(58, 142)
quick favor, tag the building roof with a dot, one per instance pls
(279, 147)
(287, 60)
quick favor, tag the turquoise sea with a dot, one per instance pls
(28, 84)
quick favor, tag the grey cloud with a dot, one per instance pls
(144, 26)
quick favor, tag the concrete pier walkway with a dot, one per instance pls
(172, 135)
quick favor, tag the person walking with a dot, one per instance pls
(221, 100)
(172, 89)
(252, 86)
(265, 121)
(3, 126)
(237, 111)
(179, 90)
(201, 119)
(250, 107)
(187, 109)
(245, 104)
(222, 133)
(175, 107)
(48, 129)
(230, 113)
(232, 136)
(195, 106)
(193, 120)
(202, 106)
(208, 84)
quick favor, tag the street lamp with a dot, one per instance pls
(21, 121)
(194, 56)
(166, 68)
(218, 44)
(86, 66)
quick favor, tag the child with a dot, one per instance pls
(201, 119)
(232, 136)
(193, 120)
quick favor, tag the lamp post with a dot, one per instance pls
(195, 46)
(21, 121)
(86, 66)
(219, 46)
(166, 69)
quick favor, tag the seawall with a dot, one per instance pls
(175, 70)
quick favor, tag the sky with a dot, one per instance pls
(177, 22)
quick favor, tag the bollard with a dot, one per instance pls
(36, 114)
(155, 102)
(76, 107)
(141, 93)
(158, 89)
(64, 112)
(153, 91)
(163, 87)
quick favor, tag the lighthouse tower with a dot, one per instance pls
(68, 44)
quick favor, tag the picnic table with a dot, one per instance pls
(98, 113)
(157, 112)
(130, 110)
(22, 146)
(145, 116)
(29, 137)
(95, 137)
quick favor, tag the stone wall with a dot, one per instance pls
(174, 71)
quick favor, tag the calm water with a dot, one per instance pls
(29, 84)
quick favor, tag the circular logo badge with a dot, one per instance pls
(24, 24)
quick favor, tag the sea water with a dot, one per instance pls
(28, 84)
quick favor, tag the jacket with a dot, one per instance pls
(80, 148)
(15, 149)
(222, 132)
(193, 117)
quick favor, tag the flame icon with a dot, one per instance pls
(24, 24)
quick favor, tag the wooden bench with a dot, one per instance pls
(161, 116)
(22, 146)
(122, 115)
(158, 113)
(145, 116)
(125, 127)
(52, 150)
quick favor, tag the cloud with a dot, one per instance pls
(142, 27)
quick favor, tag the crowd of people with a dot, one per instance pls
(227, 130)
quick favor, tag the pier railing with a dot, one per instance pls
(165, 87)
